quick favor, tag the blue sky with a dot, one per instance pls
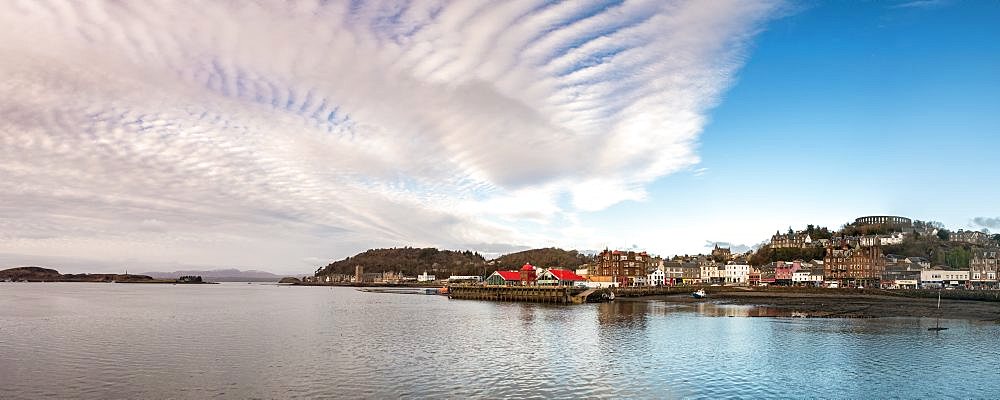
(281, 136)
(842, 110)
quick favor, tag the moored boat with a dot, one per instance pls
(700, 294)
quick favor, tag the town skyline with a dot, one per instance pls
(261, 136)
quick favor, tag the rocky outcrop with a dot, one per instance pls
(104, 278)
(39, 274)
(289, 279)
(30, 274)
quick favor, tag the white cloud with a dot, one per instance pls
(256, 133)
(921, 4)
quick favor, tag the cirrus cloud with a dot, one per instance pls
(267, 131)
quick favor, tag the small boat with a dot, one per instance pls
(700, 294)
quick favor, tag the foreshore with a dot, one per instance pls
(841, 304)
(373, 285)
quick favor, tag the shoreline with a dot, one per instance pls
(844, 305)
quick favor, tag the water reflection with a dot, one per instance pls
(256, 341)
(623, 314)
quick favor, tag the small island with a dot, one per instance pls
(39, 274)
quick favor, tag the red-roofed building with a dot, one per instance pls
(560, 277)
(528, 274)
(504, 278)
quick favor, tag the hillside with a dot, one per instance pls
(34, 274)
(39, 274)
(766, 255)
(548, 258)
(410, 261)
(939, 252)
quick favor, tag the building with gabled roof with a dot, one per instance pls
(559, 277)
(504, 278)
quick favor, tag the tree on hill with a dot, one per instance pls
(548, 258)
(943, 234)
(932, 247)
(766, 255)
(820, 232)
(410, 261)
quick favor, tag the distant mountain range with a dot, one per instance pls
(220, 275)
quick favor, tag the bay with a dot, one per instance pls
(234, 340)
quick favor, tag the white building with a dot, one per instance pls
(712, 274)
(737, 273)
(656, 278)
(801, 277)
(937, 278)
(893, 238)
(426, 278)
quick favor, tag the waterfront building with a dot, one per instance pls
(504, 278)
(691, 274)
(901, 276)
(674, 271)
(528, 274)
(426, 278)
(602, 281)
(854, 266)
(753, 277)
(935, 278)
(801, 277)
(713, 273)
(559, 277)
(783, 271)
(816, 277)
(622, 266)
(984, 267)
(656, 278)
(767, 274)
(737, 273)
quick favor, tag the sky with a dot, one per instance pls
(281, 136)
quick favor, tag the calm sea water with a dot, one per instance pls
(106, 341)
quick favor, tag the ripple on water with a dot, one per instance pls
(255, 341)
